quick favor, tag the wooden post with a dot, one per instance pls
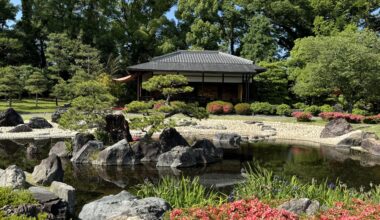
(203, 82)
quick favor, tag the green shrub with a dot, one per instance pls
(264, 108)
(15, 198)
(102, 136)
(300, 105)
(178, 105)
(313, 109)
(165, 109)
(243, 109)
(283, 109)
(182, 193)
(326, 108)
(266, 186)
(220, 107)
(138, 106)
(357, 111)
(158, 104)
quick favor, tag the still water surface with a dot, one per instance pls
(93, 182)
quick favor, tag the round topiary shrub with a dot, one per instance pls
(220, 107)
(138, 106)
(243, 109)
(302, 116)
(358, 111)
(283, 109)
(300, 106)
(326, 108)
(264, 108)
(313, 109)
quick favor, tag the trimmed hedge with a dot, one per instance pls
(264, 108)
(283, 109)
(243, 109)
(302, 116)
(313, 109)
(326, 108)
(138, 106)
(219, 107)
(300, 106)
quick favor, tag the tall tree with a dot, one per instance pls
(9, 83)
(7, 13)
(259, 43)
(347, 63)
(36, 84)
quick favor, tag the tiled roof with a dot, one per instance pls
(198, 61)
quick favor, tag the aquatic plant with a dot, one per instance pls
(181, 193)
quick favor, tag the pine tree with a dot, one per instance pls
(9, 83)
(36, 84)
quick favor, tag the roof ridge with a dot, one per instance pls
(237, 57)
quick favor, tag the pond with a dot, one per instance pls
(93, 182)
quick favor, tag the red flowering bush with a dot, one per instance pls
(356, 211)
(352, 118)
(242, 209)
(302, 116)
(219, 107)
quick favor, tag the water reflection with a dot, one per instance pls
(93, 182)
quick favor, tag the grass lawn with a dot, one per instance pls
(26, 106)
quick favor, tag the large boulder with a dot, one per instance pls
(147, 150)
(51, 203)
(66, 193)
(335, 128)
(170, 138)
(207, 152)
(80, 140)
(180, 156)
(88, 153)
(12, 177)
(301, 206)
(355, 138)
(39, 123)
(10, 118)
(60, 149)
(49, 170)
(117, 128)
(371, 145)
(21, 128)
(124, 206)
(230, 138)
(120, 153)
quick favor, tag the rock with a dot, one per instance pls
(80, 140)
(20, 128)
(336, 127)
(252, 122)
(120, 153)
(301, 206)
(208, 153)
(147, 150)
(356, 138)
(50, 202)
(371, 145)
(185, 122)
(49, 170)
(124, 206)
(117, 128)
(58, 114)
(231, 138)
(170, 138)
(89, 152)
(12, 177)
(39, 123)
(66, 193)
(180, 156)
(60, 149)
(267, 128)
(32, 150)
(10, 118)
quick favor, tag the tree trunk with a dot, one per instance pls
(56, 101)
(36, 100)
(167, 100)
(350, 106)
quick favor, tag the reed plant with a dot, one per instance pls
(181, 193)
